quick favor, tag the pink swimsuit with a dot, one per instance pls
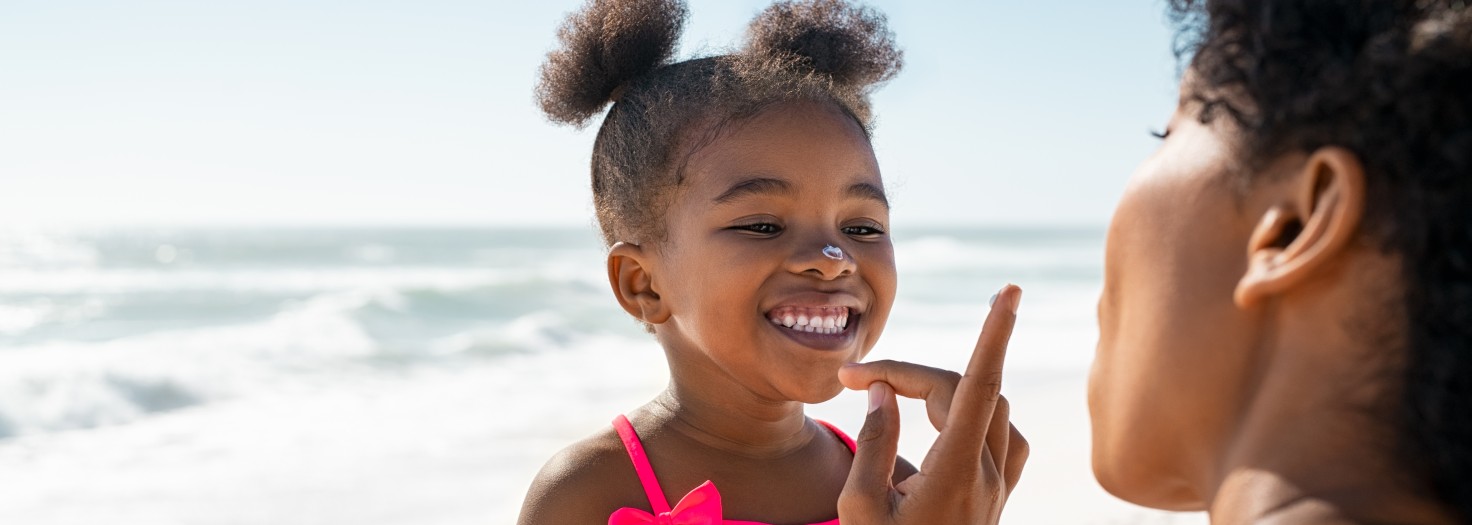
(701, 506)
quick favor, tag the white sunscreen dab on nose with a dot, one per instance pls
(833, 252)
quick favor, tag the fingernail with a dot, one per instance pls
(1016, 299)
(876, 396)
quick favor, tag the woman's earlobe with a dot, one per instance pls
(631, 277)
(1316, 219)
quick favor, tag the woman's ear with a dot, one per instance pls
(1317, 216)
(630, 274)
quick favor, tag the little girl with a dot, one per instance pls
(746, 222)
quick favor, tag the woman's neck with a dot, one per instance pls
(1313, 448)
(1307, 483)
(723, 416)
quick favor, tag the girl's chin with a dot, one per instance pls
(815, 394)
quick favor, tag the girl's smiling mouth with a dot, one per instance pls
(817, 327)
(826, 320)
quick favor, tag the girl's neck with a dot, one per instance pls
(733, 420)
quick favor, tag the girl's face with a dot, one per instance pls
(752, 295)
(1175, 353)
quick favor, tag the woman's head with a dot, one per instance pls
(1315, 192)
(719, 181)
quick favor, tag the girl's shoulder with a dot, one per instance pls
(584, 483)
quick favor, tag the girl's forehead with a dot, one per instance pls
(799, 143)
(731, 186)
(724, 185)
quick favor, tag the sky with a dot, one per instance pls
(397, 112)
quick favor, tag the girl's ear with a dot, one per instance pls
(1316, 218)
(630, 275)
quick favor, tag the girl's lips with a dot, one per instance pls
(828, 339)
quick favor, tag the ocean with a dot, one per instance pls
(422, 375)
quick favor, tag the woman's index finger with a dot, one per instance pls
(981, 386)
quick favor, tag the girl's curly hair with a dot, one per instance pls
(1391, 81)
(619, 51)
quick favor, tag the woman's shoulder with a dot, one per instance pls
(584, 483)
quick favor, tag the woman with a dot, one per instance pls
(1286, 321)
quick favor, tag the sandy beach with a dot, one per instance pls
(448, 448)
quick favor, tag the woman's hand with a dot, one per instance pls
(974, 464)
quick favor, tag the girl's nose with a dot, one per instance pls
(825, 260)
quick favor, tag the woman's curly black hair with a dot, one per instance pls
(1392, 82)
(619, 51)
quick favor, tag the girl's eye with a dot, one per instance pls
(764, 228)
(1160, 134)
(863, 231)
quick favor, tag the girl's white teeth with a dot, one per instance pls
(823, 320)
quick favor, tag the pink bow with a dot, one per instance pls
(701, 506)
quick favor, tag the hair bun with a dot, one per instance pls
(605, 45)
(850, 44)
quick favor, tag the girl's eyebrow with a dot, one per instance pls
(771, 186)
(864, 190)
(755, 186)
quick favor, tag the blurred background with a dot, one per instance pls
(324, 262)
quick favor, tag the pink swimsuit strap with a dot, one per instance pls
(641, 464)
(657, 499)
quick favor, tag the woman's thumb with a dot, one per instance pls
(870, 480)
